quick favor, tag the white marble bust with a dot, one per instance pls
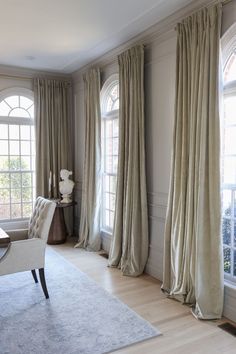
(66, 186)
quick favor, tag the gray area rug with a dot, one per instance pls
(79, 317)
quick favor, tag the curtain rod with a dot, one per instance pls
(225, 2)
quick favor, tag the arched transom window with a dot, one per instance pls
(17, 154)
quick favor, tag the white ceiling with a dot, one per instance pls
(64, 35)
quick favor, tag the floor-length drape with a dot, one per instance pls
(53, 136)
(129, 248)
(193, 270)
(89, 232)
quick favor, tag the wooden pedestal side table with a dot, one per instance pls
(58, 233)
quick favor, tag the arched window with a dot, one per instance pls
(229, 155)
(17, 154)
(110, 132)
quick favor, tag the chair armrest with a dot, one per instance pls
(18, 234)
(23, 255)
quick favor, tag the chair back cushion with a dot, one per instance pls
(41, 218)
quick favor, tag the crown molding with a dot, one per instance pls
(24, 73)
(159, 32)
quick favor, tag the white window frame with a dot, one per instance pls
(112, 81)
(18, 91)
(229, 90)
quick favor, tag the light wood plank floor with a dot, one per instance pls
(181, 332)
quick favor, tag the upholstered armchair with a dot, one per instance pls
(26, 250)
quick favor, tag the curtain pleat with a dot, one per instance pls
(53, 136)
(89, 232)
(53, 133)
(193, 267)
(129, 248)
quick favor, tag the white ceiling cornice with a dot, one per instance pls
(156, 33)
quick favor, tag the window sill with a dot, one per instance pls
(229, 284)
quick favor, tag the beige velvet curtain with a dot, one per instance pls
(193, 267)
(53, 133)
(129, 249)
(89, 232)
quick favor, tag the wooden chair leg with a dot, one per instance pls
(34, 275)
(43, 282)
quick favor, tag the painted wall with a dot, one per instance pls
(160, 57)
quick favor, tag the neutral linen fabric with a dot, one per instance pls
(28, 254)
(89, 232)
(53, 133)
(129, 249)
(193, 268)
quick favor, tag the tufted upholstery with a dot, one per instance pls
(29, 252)
(41, 218)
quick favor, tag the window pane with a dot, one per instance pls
(227, 260)
(31, 111)
(230, 140)
(108, 164)
(107, 218)
(106, 184)
(25, 148)
(27, 210)
(230, 71)
(16, 211)
(107, 198)
(4, 212)
(4, 196)
(3, 131)
(16, 195)
(108, 128)
(115, 128)
(115, 146)
(109, 104)
(115, 164)
(4, 180)
(113, 184)
(4, 147)
(4, 166)
(12, 101)
(229, 110)
(235, 233)
(26, 179)
(115, 105)
(108, 146)
(112, 202)
(25, 102)
(32, 133)
(111, 219)
(14, 163)
(227, 203)
(19, 112)
(229, 170)
(14, 132)
(14, 147)
(26, 194)
(25, 132)
(4, 109)
(226, 231)
(33, 147)
(25, 162)
(234, 263)
(16, 180)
